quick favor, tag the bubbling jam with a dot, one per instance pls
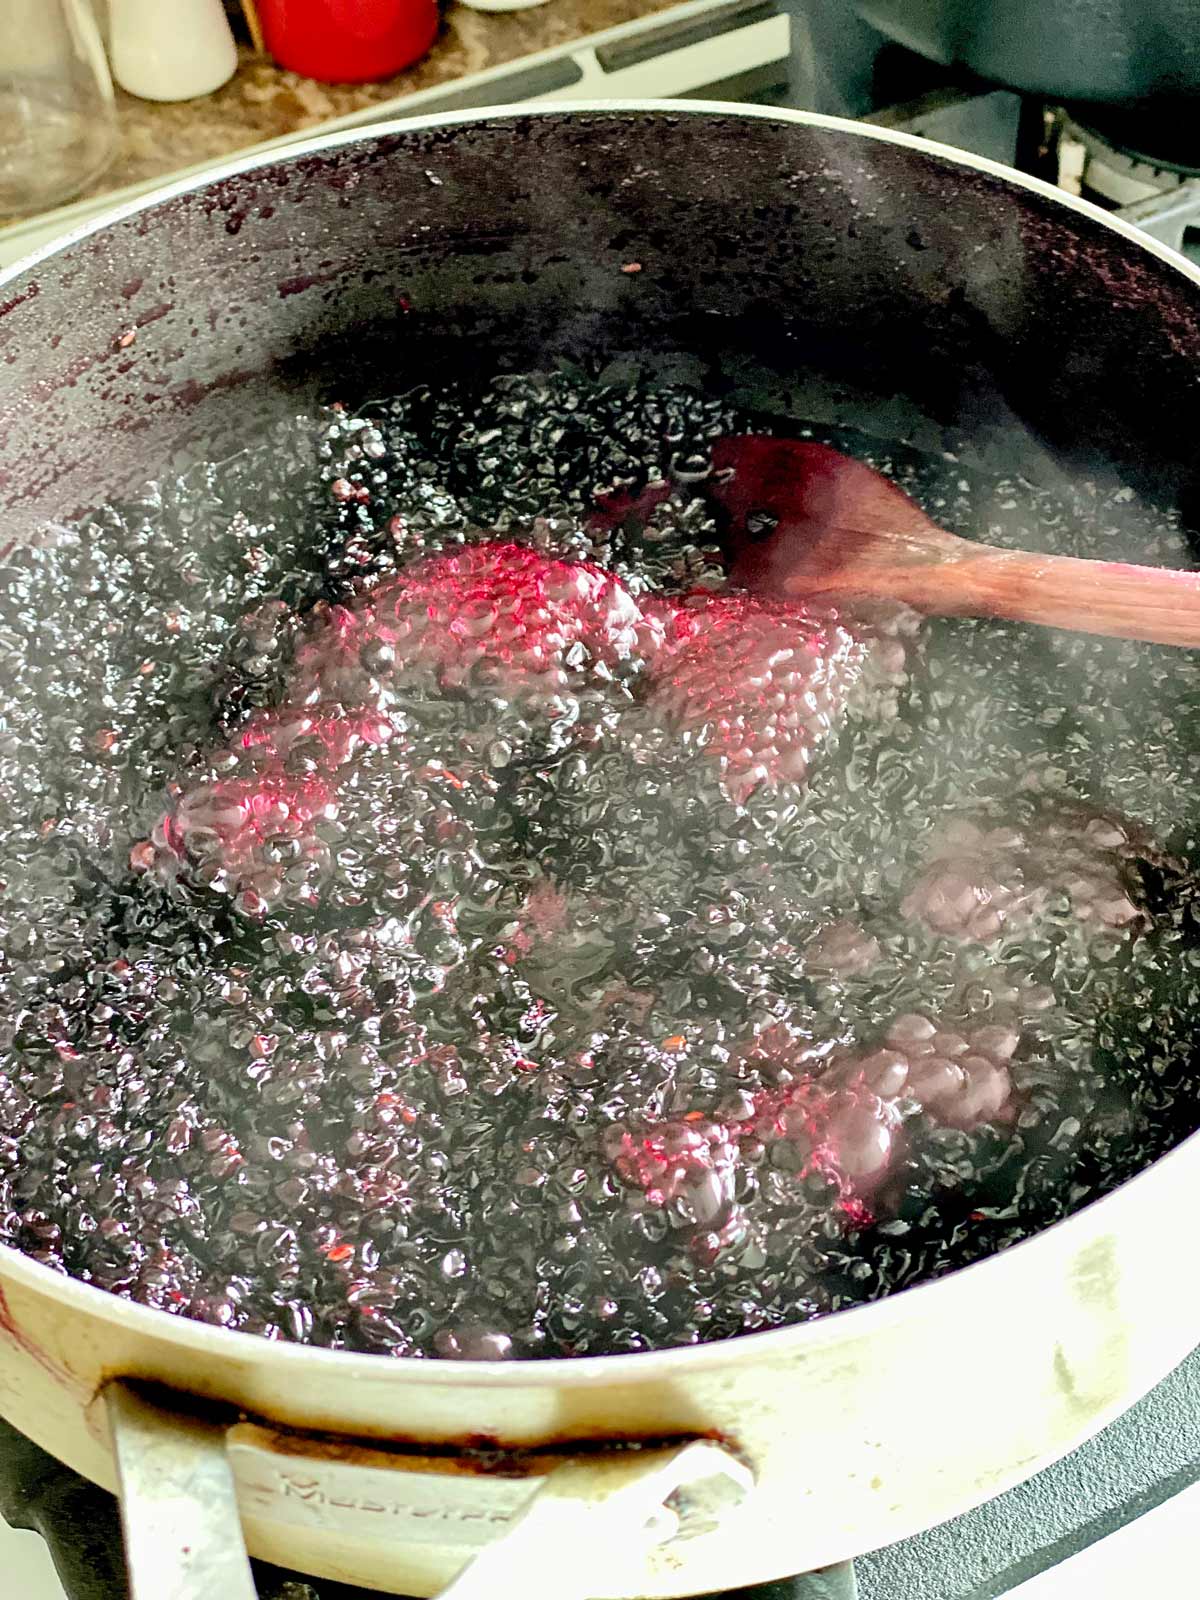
(441, 916)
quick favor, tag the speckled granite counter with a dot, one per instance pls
(263, 102)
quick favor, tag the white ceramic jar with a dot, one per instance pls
(502, 5)
(170, 49)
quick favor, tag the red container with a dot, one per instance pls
(348, 41)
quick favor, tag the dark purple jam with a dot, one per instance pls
(440, 917)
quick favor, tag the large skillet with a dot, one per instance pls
(873, 279)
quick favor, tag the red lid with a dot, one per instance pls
(348, 41)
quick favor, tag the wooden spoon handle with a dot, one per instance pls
(1106, 597)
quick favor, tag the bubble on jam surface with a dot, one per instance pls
(755, 686)
(959, 1079)
(376, 1118)
(494, 620)
(983, 882)
(975, 886)
(846, 1137)
(842, 948)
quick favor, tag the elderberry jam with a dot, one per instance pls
(441, 916)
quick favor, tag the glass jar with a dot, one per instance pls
(57, 115)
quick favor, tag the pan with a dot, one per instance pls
(917, 292)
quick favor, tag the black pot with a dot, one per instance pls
(1141, 57)
(1098, 50)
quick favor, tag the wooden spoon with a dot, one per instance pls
(807, 520)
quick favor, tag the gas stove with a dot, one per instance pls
(1096, 1522)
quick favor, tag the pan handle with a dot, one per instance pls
(589, 1528)
(585, 1530)
(179, 1513)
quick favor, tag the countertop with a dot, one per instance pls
(263, 102)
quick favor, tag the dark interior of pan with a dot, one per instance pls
(806, 269)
